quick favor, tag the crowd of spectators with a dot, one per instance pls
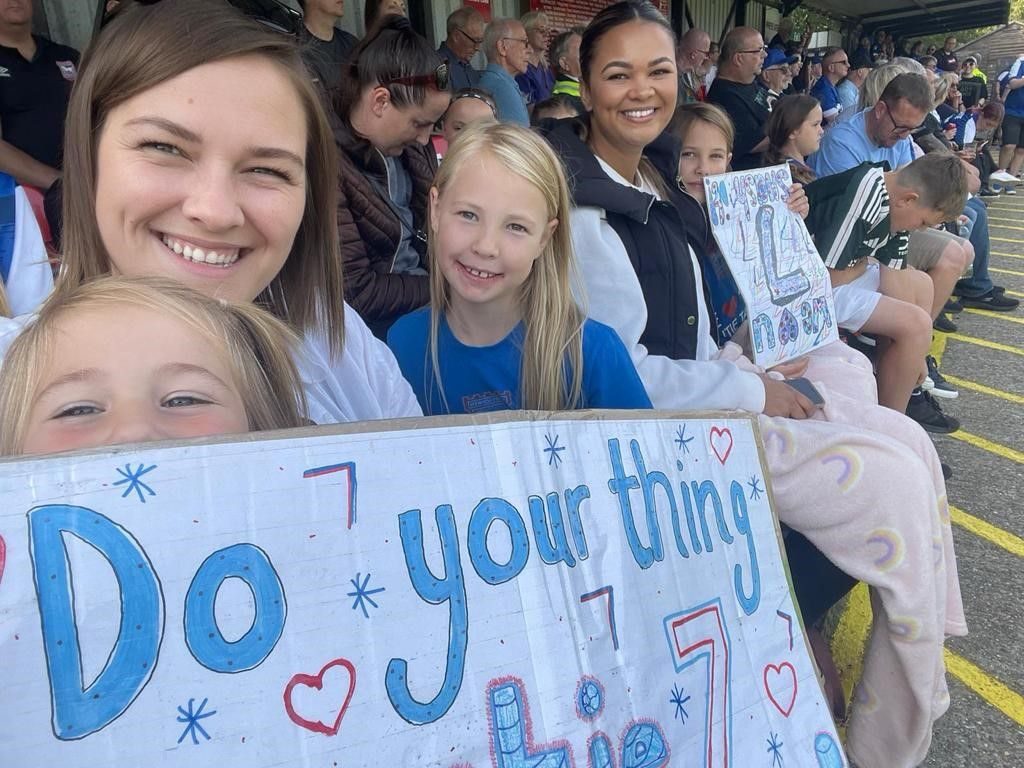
(888, 147)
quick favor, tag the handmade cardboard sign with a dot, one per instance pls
(574, 590)
(774, 262)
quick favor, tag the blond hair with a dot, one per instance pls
(5, 305)
(553, 340)
(876, 82)
(257, 347)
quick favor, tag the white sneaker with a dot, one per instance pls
(1004, 176)
(1008, 190)
(927, 385)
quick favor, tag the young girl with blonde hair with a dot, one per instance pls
(503, 330)
(118, 360)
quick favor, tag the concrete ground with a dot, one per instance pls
(984, 727)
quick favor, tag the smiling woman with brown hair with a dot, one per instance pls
(179, 168)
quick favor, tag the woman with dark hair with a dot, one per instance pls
(179, 168)
(640, 239)
(396, 89)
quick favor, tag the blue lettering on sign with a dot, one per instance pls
(742, 520)
(79, 710)
(509, 733)
(202, 635)
(695, 496)
(485, 514)
(435, 590)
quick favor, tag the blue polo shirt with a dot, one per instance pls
(846, 145)
(462, 73)
(827, 94)
(1015, 99)
(507, 96)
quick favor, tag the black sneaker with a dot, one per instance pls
(925, 411)
(940, 387)
(954, 306)
(944, 324)
(986, 192)
(947, 471)
(996, 302)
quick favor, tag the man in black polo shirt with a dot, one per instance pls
(734, 90)
(36, 76)
(945, 59)
(325, 47)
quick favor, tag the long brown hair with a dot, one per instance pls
(787, 116)
(148, 45)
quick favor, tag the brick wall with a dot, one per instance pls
(569, 13)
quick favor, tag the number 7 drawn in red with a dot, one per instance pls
(700, 634)
(349, 467)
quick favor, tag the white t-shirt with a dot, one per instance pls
(30, 279)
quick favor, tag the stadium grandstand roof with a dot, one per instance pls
(917, 18)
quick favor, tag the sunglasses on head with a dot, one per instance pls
(272, 14)
(439, 78)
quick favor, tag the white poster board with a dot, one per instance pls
(774, 262)
(566, 591)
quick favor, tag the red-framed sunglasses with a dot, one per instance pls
(439, 78)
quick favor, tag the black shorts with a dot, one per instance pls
(1013, 130)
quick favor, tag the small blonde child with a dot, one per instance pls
(120, 360)
(503, 330)
(468, 105)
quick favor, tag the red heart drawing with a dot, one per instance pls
(721, 437)
(317, 681)
(781, 684)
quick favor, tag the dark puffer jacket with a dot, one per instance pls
(369, 230)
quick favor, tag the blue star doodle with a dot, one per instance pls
(554, 449)
(192, 719)
(775, 748)
(682, 440)
(362, 594)
(133, 479)
(755, 487)
(680, 701)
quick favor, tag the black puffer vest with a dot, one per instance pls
(655, 233)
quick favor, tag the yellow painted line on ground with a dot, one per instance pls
(985, 444)
(1006, 255)
(974, 386)
(851, 636)
(998, 315)
(1015, 293)
(1005, 271)
(1006, 239)
(995, 221)
(976, 341)
(995, 693)
(1008, 541)
(850, 639)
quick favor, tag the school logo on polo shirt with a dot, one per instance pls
(5, 72)
(67, 70)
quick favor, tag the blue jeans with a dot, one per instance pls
(979, 282)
